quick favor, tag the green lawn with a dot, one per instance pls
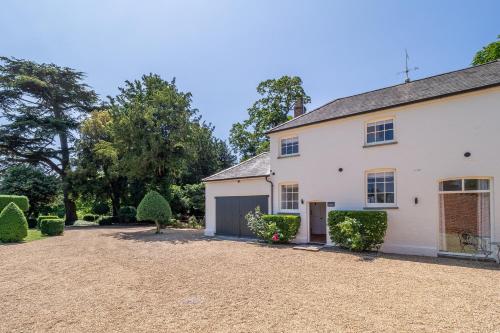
(33, 235)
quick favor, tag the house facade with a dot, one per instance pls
(427, 152)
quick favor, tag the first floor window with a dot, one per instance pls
(380, 188)
(289, 146)
(290, 197)
(380, 131)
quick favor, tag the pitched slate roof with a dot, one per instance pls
(258, 166)
(461, 81)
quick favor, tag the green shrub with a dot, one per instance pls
(101, 208)
(273, 228)
(90, 217)
(154, 207)
(52, 227)
(357, 230)
(13, 224)
(21, 201)
(107, 220)
(45, 217)
(127, 214)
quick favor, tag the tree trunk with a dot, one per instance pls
(70, 209)
(69, 205)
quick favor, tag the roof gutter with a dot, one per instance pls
(234, 178)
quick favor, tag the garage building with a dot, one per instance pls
(232, 193)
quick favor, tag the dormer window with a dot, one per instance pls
(290, 146)
(380, 132)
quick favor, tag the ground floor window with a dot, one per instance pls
(464, 213)
(289, 197)
(380, 188)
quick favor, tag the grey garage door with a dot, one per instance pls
(230, 214)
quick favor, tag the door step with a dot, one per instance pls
(313, 248)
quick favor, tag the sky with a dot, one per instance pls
(220, 50)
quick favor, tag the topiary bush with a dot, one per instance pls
(13, 224)
(154, 207)
(127, 214)
(21, 201)
(273, 228)
(45, 217)
(52, 227)
(357, 230)
(90, 217)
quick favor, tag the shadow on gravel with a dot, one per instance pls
(457, 262)
(170, 235)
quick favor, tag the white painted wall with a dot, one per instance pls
(432, 139)
(243, 187)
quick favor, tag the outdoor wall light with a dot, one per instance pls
(467, 154)
(302, 201)
(416, 201)
(341, 169)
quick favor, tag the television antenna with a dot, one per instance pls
(407, 70)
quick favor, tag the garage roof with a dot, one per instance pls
(461, 81)
(258, 166)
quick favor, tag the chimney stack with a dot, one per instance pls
(298, 108)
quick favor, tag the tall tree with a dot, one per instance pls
(151, 124)
(490, 52)
(278, 97)
(98, 170)
(206, 153)
(39, 104)
(41, 188)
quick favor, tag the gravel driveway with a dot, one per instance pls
(130, 280)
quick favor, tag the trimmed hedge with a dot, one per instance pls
(357, 230)
(13, 224)
(45, 217)
(287, 226)
(21, 201)
(90, 217)
(52, 227)
(127, 214)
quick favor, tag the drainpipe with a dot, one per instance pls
(272, 191)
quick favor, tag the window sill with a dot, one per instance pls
(380, 207)
(369, 145)
(288, 156)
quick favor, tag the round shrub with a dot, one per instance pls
(358, 230)
(127, 214)
(101, 208)
(52, 227)
(13, 224)
(21, 201)
(154, 207)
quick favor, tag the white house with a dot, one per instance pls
(427, 152)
